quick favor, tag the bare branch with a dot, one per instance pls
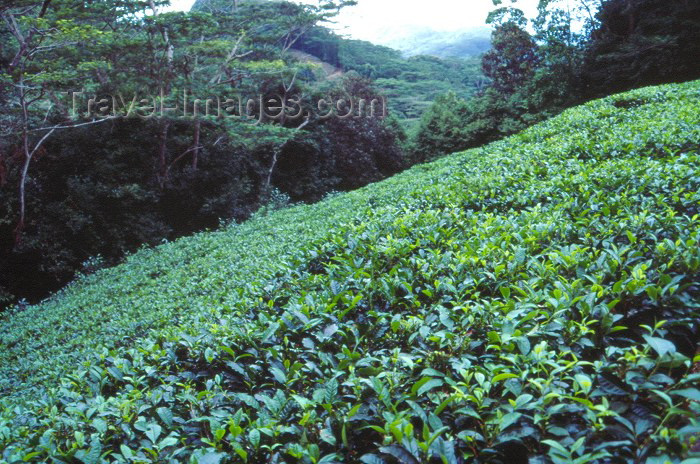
(287, 88)
(13, 27)
(278, 151)
(73, 126)
(233, 55)
(182, 155)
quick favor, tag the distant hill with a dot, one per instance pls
(420, 64)
(411, 83)
(468, 43)
(443, 44)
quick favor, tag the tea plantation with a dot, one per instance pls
(535, 300)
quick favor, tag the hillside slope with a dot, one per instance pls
(444, 44)
(329, 71)
(535, 297)
(410, 84)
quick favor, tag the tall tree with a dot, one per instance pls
(513, 58)
(643, 42)
(43, 65)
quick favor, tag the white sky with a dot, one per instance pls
(375, 20)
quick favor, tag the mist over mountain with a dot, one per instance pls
(444, 44)
(410, 40)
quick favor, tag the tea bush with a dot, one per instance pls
(534, 300)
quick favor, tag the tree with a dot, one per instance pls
(642, 42)
(442, 128)
(512, 60)
(43, 34)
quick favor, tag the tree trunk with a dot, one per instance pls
(22, 189)
(277, 153)
(27, 160)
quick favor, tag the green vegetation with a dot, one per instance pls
(81, 193)
(570, 52)
(534, 297)
(411, 84)
(641, 43)
(77, 192)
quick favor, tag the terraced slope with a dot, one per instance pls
(538, 297)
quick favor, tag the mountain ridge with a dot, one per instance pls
(468, 43)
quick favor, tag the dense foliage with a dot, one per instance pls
(410, 84)
(95, 189)
(72, 205)
(536, 298)
(641, 43)
(570, 52)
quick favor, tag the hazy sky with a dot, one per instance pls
(375, 20)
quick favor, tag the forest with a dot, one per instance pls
(233, 234)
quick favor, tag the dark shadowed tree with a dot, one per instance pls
(512, 60)
(643, 42)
